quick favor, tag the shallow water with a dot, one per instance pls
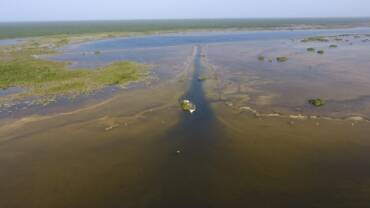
(341, 77)
(123, 152)
(10, 90)
(201, 38)
(8, 42)
(269, 87)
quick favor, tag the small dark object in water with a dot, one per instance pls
(317, 102)
(281, 59)
(261, 58)
(333, 46)
(321, 52)
(310, 49)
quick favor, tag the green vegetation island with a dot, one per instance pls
(317, 102)
(281, 59)
(22, 67)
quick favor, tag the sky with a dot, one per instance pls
(58, 10)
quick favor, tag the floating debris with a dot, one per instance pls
(188, 106)
(109, 128)
(298, 117)
(356, 118)
(230, 104)
(273, 115)
(247, 108)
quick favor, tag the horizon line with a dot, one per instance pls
(179, 19)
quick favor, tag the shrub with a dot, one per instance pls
(315, 39)
(317, 102)
(310, 49)
(281, 59)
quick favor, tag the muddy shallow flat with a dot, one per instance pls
(340, 76)
(254, 141)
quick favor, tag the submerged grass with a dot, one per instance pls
(315, 39)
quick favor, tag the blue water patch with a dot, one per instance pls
(7, 42)
(10, 91)
(203, 38)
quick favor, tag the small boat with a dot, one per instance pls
(188, 106)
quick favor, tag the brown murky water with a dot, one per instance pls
(245, 146)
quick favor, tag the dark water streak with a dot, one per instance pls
(185, 177)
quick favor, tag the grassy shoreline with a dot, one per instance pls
(20, 67)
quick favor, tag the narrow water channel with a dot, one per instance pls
(186, 174)
(197, 122)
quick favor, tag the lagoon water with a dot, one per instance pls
(253, 141)
(234, 55)
(202, 38)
